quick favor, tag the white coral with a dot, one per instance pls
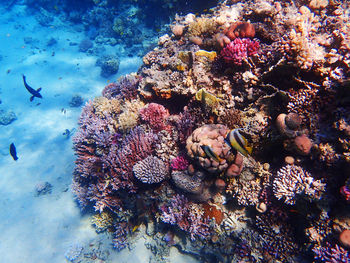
(293, 180)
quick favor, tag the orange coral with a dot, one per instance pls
(212, 212)
(241, 30)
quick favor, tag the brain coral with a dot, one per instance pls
(150, 170)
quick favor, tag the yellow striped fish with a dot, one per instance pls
(210, 153)
(236, 141)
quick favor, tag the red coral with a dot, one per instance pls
(155, 114)
(239, 50)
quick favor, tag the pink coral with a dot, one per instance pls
(179, 163)
(239, 50)
(155, 114)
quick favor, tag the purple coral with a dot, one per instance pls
(125, 88)
(102, 166)
(331, 254)
(150, 170)
(238, 50)
(136, 147)
(121, 232)
(181, 212)
(155, 115)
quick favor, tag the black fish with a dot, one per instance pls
(13, 151)
(32, 91)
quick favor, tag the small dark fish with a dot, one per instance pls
(35, 93)
(13, 151)
(68, 133)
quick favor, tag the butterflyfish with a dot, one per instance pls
(236, 141)
(210, 153)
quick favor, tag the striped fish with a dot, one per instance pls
(210, 153)
(236, 141)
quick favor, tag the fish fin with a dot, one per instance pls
(31, 98)
(249, 149)
(245, 141)
(39, 89)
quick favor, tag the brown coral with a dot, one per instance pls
(213, 136)
(303, 144)
(344, 238)
(212, 212)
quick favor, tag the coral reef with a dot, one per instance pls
(159, 146)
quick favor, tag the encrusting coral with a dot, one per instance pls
(165, 146)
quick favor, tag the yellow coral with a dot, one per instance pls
(201, 26)
(102, 221)
(209, 55)
(104, 106)
(207, 99)
(128, 119)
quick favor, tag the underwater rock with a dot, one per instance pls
(109, 65)
(76, 101)
(43, 188)
(7, 117)
(85, 45)
(73, 252)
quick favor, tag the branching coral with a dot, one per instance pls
(293, 180)
(187, 216)
(329, 253)
(155, 115)
(239, 50)
(125, 88)
(102, 221)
